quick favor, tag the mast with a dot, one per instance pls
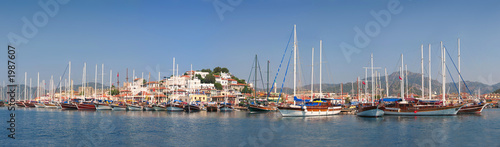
(430, 74)
(366, 83)
(459, 74)
(95, 82)
(402, 81)
(173, 68)
(373, 80)
(30, 90)
(443, 50)
(294, 62)
(267, 88)
(312, 74)
(38, 87)
(406, 79)
(386, 83)
(422, 66)
(110, 81)
(102, 81)
(320, 66)
(60, 90)
(25, 88)
(69, 80)
(255, 82)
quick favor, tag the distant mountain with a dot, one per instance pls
(414, 83)
(496, 91)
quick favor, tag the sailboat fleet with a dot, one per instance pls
(139, 97)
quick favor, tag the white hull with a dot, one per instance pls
(225, 109)
(149, 109)
(51, 107)
(450, 111)
(39, 105)
(103, 107)
(305, 113)
(159, 108)
(134, 108)
(119, 109)
(174, 109)
(371, 113)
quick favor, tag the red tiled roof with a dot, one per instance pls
(239, 84)
(231, 79)
(223, 96)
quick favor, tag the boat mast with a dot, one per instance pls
(110, 81)
(320, 66)
(430, 74)
(422, 66)
(25, 80)
(255, 82)
(69, 80)
(102, 81)
(406, 79)
(294, 62)
(401, 75)
(366, 83)
(386, 83)
(267, 88)
(95, 82)
(38, 87)
(30, 90)
(60, 90)
(443, 59)
(373, 80)
(459, 74)
(312, 75)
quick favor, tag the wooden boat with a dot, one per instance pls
(410, 109)
(192, 108)
(2, 103)
(472, 109)
(226, 108)
(102, 106)
(212, 108)
(261, 108)
(86, 106)
(314, 109)
(20, 104)
(118, 107)
(70, 106)
(39, 105)
(134, 108)
(29, 104)
(160, 107)
(370, 111)
(175, 107)
(51, 106)
(148, 108)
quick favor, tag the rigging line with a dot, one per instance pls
(459, 74)
(279, 67)
(64, 73)
(453, 80)
(261, 78)
(284, 77)
(251, 69)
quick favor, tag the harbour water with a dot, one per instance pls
(46, 127)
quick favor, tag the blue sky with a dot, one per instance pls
(144, 35)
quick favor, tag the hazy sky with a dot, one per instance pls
(146, 35)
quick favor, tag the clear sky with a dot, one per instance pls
(146, 35)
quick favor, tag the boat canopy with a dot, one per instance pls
(327, 99)
(391, 99)
(299, 100)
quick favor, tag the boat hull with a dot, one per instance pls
(226, 109)
(191, 108)
(371, 113)
(119, 108)
(20, 104)
(68, 106)
(173, 108)
(148, 108)
(254, 108)
(134, 108)
(300, 112)
(39, 105)
(212, 109)
(159, 108)
(443, 111)
(473, 109)
(103, 107)
(86, 107)
(51, 106)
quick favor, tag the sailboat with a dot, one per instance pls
(412, 108)
(369, 110)
(314, 108)
(256, 107)
(226, 107)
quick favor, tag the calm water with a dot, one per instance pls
(43, 127)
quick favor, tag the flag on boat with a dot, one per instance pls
(400, 78)
(364, 83)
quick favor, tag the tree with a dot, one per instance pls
(218, 86)
(217, 69)
(242, 81)
(209, 79)
(143, 82)
(225, 70)
(114, 91)
(246, 90)
(199, 77)
(206, 70)
(185, 73)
